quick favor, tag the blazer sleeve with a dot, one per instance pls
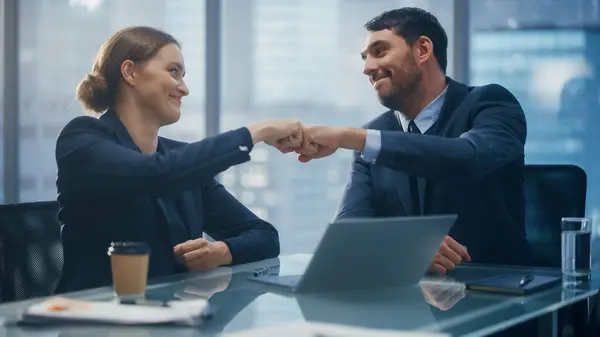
(226, 219)
(91, 162)
(357, 199)
(496, 138)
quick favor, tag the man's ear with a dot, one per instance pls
(423, 49)
(128, 72)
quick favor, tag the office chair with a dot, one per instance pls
(551, 193)
(31, 255)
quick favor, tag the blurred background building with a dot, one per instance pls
(300, 59)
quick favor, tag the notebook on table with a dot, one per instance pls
(60, 310)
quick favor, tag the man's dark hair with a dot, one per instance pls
(411, 23)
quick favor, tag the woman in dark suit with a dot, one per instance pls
(119, 181)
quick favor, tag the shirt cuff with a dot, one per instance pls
(372, 146)
(247, 143)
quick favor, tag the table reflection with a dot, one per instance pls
(443, 293)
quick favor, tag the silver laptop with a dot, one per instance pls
(369, 253)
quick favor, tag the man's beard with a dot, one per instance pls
(403, 88)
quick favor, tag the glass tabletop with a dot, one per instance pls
(439, 304)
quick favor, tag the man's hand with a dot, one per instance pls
(201, 254)
(318, 142)
(294, 143)
(450, 254)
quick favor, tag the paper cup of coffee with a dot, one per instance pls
(129, 264)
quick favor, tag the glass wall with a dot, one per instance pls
(548, 54)
(299, 59)
(59, 40)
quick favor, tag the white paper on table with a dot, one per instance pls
(68, 310)
(311, 329)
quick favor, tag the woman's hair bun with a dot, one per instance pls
(93, 93)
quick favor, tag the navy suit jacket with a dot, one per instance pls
(108, 191)
(471, 162)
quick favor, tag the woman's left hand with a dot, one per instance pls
(201, 254)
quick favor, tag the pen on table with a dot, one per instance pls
(261, 271)
(525, 280)
(145, 303)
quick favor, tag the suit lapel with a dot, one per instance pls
(400, 179)
(454, 97)
(403, 190)
(190, 216)
(185, 204)
(113, 121)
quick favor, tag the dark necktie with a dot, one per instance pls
(414, 184)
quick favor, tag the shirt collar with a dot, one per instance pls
(427, 116)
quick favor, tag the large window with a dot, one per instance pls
(299, 59)
(58, 41)
(548, 54)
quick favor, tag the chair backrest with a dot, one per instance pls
(551, 193)
(31, 255)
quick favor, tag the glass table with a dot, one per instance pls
(436, 304)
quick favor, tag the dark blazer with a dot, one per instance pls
(109, 191)
(470, 163)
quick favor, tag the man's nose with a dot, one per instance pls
(370, 67)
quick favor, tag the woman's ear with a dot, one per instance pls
(128, 72)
